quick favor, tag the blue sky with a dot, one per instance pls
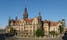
(50, 9)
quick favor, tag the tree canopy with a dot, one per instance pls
(52, 33)
(61, 29)
(39, 33)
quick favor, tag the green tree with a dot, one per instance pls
(39, 33)
(52, 33)
(61, 29)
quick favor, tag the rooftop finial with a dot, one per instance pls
(9, 18)
(39, 13)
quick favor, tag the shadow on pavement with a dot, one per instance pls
(65, 36)
(6, 35)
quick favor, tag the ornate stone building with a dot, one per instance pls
(28, 26)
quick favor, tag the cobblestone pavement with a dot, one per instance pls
(13, 38)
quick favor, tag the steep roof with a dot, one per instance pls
(52, 23)
(28, 20)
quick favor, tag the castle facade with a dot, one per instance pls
(28, 26)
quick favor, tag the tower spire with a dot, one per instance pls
(25, 15)
(9, 21)
(39, 17)
(16, 18)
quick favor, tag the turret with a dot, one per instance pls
(63, 22)
(39, 21)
